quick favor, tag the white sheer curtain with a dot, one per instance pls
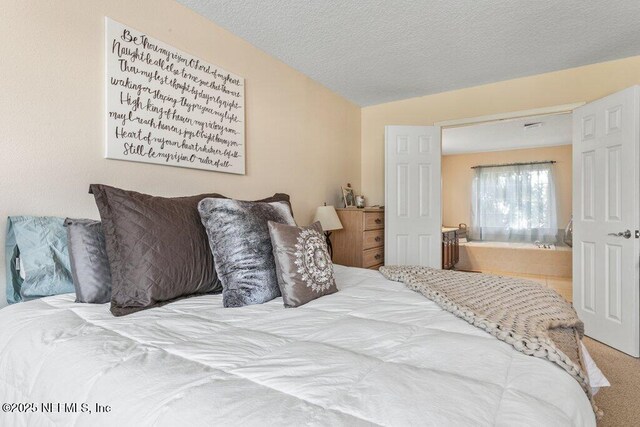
(514, 203)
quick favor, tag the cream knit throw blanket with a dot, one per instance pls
(533, 319)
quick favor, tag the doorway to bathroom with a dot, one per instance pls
(507, 195)
(605, 198)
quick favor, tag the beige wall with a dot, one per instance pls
(301, 138)
(457, 176)
(563, 87)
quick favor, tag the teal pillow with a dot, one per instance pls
(37, 258)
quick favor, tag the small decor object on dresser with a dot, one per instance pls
(303, 265)
(168, 107)
(348, 197)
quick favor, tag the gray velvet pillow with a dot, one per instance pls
(157, 248)
(303, 265)
(239, 238)
(89, 261)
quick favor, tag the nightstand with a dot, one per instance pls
(361, 242)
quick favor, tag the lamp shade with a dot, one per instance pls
(328, 218)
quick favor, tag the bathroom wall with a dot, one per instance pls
(457, 176)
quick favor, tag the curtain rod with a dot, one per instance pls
(513, 164)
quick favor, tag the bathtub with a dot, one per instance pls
(515, 245)
(522, 258)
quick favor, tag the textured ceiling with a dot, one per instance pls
(508, 135)
(374, 51)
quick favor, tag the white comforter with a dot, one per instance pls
(373, 353)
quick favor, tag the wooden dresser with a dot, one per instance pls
(361, 242)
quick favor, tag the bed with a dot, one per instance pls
(374, 353)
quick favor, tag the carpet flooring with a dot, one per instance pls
(621, 401)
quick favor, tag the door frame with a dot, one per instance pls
(556, 109)
(499, 117)
(502, 117)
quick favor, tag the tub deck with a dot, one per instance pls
(517, 258)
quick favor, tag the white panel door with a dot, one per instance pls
(413, 222)
(606, 216)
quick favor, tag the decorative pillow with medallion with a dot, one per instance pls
(303, 264)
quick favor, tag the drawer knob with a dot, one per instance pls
(378, 221)
(378, 256)
(378, 239)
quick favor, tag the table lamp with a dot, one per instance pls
(329, 221)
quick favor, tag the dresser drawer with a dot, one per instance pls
(372, 239)
(373, 220)
(361, 241)
(372, 257)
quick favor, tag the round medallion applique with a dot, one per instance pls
(312, 260)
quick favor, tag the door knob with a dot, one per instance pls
(626, 234)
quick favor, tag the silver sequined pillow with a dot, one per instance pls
(303, 265)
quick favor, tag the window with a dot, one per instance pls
(514, 203)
